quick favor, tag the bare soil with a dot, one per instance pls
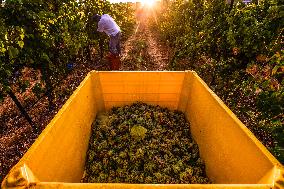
(144, 51)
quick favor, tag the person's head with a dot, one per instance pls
(96, 18)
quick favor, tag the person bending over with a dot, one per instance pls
(107, 25)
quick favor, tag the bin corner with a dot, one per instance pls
(19, 177)
(279, 182)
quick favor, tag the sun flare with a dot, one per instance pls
(149, 3)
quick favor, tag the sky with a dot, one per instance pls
(115, 1)
(149, 2)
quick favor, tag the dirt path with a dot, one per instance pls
(143, 51)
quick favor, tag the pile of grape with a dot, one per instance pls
(143, 144)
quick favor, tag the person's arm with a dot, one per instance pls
(100, 26)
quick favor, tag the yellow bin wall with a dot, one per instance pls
(234, 157)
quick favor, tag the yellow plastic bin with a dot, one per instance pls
(234, 158)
